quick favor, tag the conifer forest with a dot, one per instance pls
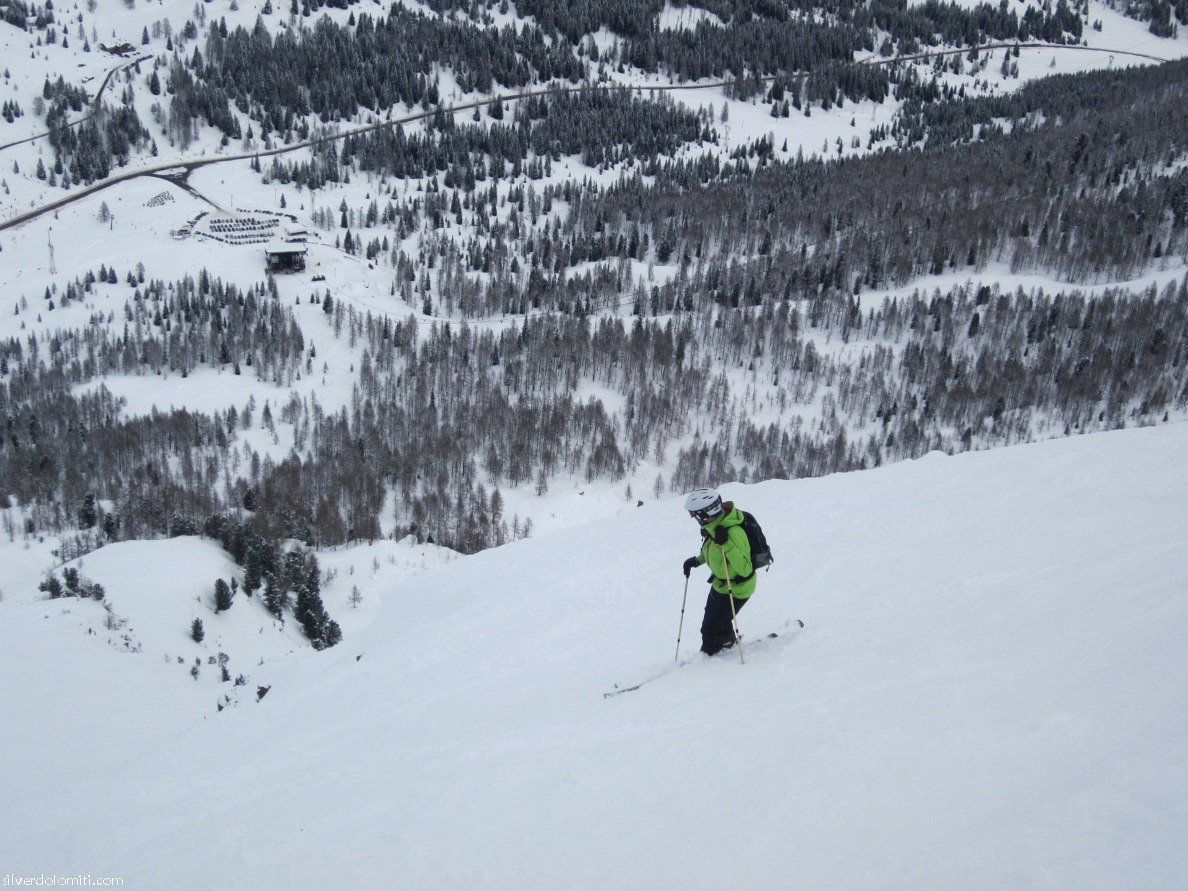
(716, 313)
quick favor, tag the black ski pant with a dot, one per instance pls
(717, 628)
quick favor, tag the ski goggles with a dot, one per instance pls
(706, 514)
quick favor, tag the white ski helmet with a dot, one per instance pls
(703, 504)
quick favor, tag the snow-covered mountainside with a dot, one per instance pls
(989, 691)
(684, 254)
(307, 299)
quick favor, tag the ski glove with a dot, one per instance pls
(721, 535)
(690, 565)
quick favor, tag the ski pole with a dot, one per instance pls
(681, 625)
(733, 614)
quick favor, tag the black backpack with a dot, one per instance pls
(760, 550)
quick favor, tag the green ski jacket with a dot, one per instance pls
(731, 560)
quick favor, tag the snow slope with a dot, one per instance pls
(990, 692)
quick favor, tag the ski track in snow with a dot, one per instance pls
(989, 692)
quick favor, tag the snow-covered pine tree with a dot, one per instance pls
(222, 595)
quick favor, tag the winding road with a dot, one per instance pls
(178, 172)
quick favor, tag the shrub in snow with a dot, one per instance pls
(52, 586)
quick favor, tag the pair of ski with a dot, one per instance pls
(794, 625)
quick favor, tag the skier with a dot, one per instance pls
(727, 551)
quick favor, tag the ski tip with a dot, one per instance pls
(792, 625)
(618, 691)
